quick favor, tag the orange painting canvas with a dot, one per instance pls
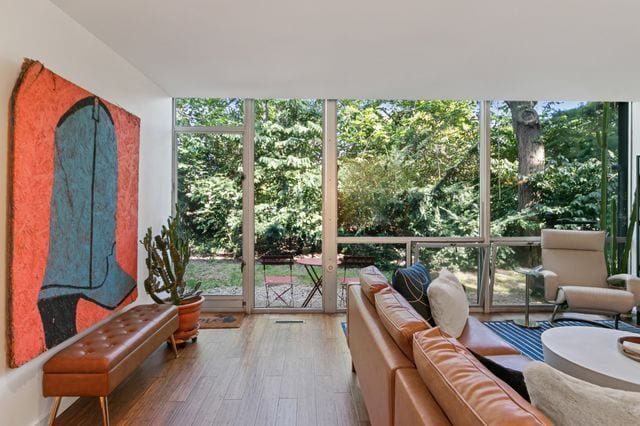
(73, 211)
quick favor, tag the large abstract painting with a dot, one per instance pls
(73, 212)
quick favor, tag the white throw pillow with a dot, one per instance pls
(448, 302)
(570, 401)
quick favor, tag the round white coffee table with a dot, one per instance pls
(591, 354)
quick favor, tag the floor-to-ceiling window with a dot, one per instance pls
(551, 165)
(209, 172)
(459, 184)
(409, 172)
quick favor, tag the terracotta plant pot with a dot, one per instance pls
(189, 314)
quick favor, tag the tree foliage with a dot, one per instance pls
(405, 168)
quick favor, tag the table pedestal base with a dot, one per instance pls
(526, 323)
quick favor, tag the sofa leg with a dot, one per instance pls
(54, 410)
(173, 345)
(104, 405)
(616, 319)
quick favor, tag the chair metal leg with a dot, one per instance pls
(54, 410)
(173, 345)
(556, 309)
(104, 405)
(293, 302)
(266, 287)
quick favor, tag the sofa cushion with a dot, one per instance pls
(399, 319)
(372, 281)
(479, 338)
(570, 401)
(465, 390)
(448, 302)
(412, 284)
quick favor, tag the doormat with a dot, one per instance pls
(221, 319)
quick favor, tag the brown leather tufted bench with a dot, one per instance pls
(101, 360)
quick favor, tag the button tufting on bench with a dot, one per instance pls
(105, 347)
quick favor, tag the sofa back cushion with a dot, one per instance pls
(467, 392)
(399, 319)
(372, 281)
(448, 302)
(412, 284)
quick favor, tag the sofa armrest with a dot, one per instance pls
(375, 356)
(551, 285)
(414, 404)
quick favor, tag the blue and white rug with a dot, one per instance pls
(528, 340)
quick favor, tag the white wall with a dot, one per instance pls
(39, 30)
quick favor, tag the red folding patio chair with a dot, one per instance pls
(279, 285)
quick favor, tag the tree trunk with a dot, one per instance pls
(526, 126)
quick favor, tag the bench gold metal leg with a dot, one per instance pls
(104, 405)
(173, 345)
(54, 410)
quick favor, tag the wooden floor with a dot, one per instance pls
(263, 373)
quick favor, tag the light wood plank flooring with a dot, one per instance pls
(263, 373)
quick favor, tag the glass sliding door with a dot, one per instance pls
(288, 202)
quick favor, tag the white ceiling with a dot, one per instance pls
(430, 49)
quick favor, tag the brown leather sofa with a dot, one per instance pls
(412, 374)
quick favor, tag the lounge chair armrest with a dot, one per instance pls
(632, 284)
(622, 278)
(548, 275)
(550, 284)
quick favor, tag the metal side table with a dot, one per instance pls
(529, 274)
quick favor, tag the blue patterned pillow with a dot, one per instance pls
(412, 284)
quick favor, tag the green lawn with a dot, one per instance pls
(221, 273)
(215, 273)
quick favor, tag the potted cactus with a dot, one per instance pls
(168, 254)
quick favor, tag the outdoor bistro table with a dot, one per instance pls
(310, 264)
